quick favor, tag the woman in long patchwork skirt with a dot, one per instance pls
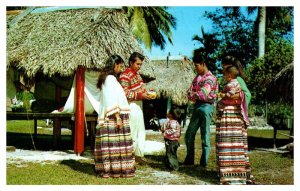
(113, 151)
(232, 147)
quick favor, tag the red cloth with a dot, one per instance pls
(132, 84)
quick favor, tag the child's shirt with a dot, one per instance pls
(172, 130)
(230, 89)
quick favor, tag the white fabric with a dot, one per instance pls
(112, 98)
(91, 94)
(137, 128)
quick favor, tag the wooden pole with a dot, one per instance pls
(56, 132)
(57, 121)
(79, 111)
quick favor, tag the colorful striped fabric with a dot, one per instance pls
(232, 87)
(172, 130)
(113, 149)
(203, 88)
(232, 147)
(133, 84)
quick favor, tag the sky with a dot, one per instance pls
(189, 21)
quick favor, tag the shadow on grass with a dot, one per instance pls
(158, 163)
(80, 166)
(259, 142)
(42, 142)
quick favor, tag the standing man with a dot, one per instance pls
(203, 92)
(135, 91)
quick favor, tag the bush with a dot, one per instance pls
(256, 110)
(280, 114)
(279, 54)
(280, 110)
(21, 102)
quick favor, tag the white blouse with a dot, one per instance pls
(112, 99)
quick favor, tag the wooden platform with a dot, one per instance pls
(91, 120)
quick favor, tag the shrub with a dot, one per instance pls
(278, 113)
(25, 97)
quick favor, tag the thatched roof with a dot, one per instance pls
(174, 80)
(282, 85)
(57, 42)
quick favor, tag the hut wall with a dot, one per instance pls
(154, 108)
(11, 77)
(46, 90)
(11, 91)
(45, 93)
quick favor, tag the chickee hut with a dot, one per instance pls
(66, 43)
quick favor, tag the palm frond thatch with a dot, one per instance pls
(172, 79)
(58, 42)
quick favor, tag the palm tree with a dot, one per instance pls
(268, 18)
(261, 31)
(209, 42)
(151, 25)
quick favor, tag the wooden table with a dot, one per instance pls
(91, 120)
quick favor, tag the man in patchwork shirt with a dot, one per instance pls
(135, 91)
(203, 92)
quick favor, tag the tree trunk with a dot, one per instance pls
(261, 31)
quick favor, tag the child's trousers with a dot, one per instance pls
(171, 154)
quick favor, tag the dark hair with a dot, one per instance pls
(232, 70)
(135, 55)
(198, 57)
(175, 112)
(109, 69)
(233, 61)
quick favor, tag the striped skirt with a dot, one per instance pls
(232, 147)
(113, 149)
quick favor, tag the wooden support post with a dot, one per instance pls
(57, 93)
(57, 121)
(56, 132)
(274, 136)
(72, 124)
(92, 134)
(35, 128)
(79, 112)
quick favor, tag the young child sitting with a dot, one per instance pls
(171, 134)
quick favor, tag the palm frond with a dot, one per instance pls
(140, 28)
(158, 22)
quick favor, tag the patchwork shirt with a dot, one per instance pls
(172, 130)
(132, 84)
(203, 88)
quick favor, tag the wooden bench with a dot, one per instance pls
(91, 120)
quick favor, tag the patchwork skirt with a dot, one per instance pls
(113, 151)
(232, 147)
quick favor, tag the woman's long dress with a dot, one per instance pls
(232, 147)
(113, 146)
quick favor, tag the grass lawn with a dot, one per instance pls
(267, 167)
